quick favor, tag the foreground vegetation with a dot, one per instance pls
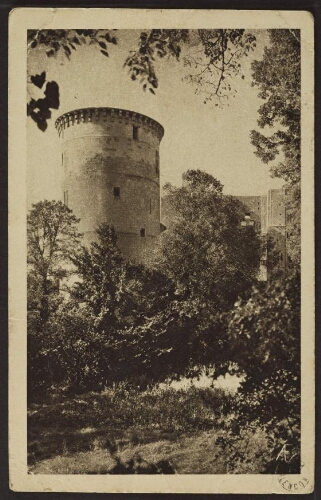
(179, 431)
(123, 328)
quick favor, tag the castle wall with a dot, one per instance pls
(268, 213)
(276, 208)
(252, 207)
(110, 160)
(264, 214)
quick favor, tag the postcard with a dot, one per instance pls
(161, 251)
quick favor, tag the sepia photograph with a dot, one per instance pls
(162, 218)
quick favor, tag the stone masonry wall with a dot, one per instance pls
(110, 160)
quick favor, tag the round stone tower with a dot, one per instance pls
(110, 160)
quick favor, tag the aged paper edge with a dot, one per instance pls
(22, 19)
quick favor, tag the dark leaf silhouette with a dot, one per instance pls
(52, 41)
(67, 49)
(39, 80)
(44, 111)
(32, 104)
(41, 122)
(39, 110)
(52, 95)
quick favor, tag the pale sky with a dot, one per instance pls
(207, 137)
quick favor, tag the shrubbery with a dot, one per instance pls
(264, 343)
(122, 323)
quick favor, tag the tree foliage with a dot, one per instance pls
(278, 78)
(205, 250)
(40, 109)
(128, 322)
(110, 298)
(53, 239)
(209, 260)
(219, 61)
(263, 339)
(215, 55)
(100, 270)
(52, 42)
(154, 44)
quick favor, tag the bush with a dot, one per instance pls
(264, 341)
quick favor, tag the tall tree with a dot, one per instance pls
(75, 346)
(101, 270)
(53, 239)
(278, 77)
(210, 259)
(205, 250)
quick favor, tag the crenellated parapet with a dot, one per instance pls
(87, 115)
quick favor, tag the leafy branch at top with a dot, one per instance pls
(52, 41)
(216, 62)
(223, 50)
(214, 54)
(154, 44)
(65, 41)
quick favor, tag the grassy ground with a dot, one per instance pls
(182, 427)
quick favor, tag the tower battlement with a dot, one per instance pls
(87, 115)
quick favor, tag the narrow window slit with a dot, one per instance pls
(135, 132)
